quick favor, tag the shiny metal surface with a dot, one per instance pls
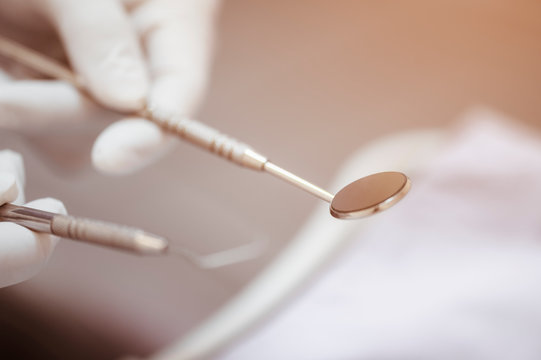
(369, 195)
(297, 181)
(108, 234)
(150, 244)
(33, 219)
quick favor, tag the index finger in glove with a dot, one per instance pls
(33, 106)
(177, 38)
(103, 49)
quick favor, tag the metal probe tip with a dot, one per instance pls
(149, 244)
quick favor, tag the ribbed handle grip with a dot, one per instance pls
(211, 139)
(191, 130)
(97, 232)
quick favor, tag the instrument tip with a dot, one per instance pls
(149, 244)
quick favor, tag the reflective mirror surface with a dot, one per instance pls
(369, 195)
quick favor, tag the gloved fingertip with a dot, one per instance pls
(104, 50)
(129, 145)
(13, 162)
(117, 74)
(8, 188)
(12, 156)
(122, 93)
(175, 95)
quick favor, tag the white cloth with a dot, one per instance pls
(23, 252)
(453, 272)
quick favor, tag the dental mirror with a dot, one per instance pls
(369, 195)
(363, 197)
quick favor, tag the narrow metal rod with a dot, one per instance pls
(299, 182)
(38, 62)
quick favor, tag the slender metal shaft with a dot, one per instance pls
(297, 181)
(190, 130)
(37, 61)
(86, 230)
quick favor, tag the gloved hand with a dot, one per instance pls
(23, 252)
(127, 52)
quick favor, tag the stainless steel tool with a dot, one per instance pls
(363, 197)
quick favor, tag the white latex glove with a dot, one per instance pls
(23, 252)
(127, 52)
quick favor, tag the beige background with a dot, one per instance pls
(306, 83)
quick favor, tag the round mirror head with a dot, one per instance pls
(369, 195)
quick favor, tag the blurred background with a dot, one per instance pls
(304, 82)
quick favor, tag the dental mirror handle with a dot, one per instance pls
(231, 149)
(210, 139)
(193, 131)
(363, 197)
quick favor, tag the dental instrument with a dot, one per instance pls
(123, 237)
(360, 198)
(85, 230)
